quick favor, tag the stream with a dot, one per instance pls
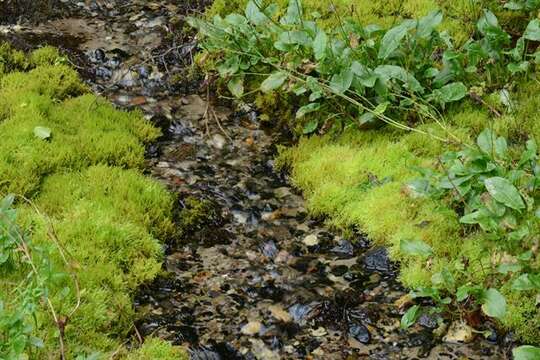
(258, 278)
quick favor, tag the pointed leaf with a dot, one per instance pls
(392, 39)
(428, 23)
(410, 317)
(306, 109)
(532, 32)
(320, 44)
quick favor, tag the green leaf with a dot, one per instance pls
(236, 86)
(274, 81)
(504, 192)
(42, 132)
(311, 126)
(452, 92)
(486, 141)
(410, 317)
(342, 81)
(306, 109)
(295, 37)
(387, 72)
(320, 44)
(254, 14)
(415, 247)
(294, 13)
(392, 39)
(523, 283)
(526, 352)
(532, 32)
(428, 23)
(493, 304)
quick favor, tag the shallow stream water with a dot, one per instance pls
(259, 278)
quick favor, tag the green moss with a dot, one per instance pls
(85, 130)
(159, 350)
(46, 55)
(11, 60)
(359, 179)
(94, 203)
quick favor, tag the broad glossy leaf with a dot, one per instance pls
(526, 352)
(532, 32)
(320, 44)
(393, 37)
(415, 248)
(274, 81)
(410, 317)
(494, 304)
(41, 132)
(504, 192)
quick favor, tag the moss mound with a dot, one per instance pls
(85, 179)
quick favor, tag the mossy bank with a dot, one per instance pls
(83, 182)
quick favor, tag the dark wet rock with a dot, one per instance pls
(377, 260)
(301, 312)
(344, 248)
(428, 321)
(269, 249)
(360, 333)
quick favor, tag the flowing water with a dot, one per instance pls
(257, 277)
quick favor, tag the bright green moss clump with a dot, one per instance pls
(360, 179)
(108, 218)
(158, 350)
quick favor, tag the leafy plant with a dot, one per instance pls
(364, 73)
(30, 268)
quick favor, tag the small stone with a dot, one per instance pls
(251, 328)
(319, 332)
(279, 313)
(459, 332)
(282, 192)
(311, 240)
(218, 141)
(360, 333)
